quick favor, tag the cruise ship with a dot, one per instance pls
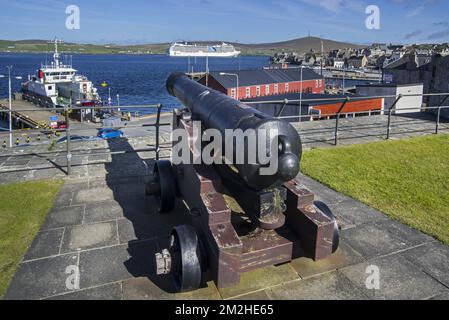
(58, 85)
(223, 50)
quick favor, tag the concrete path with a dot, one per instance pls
(109, 231)
(102, 225)
(321, 134)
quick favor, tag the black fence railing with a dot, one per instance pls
(157, 124)
(344, 100)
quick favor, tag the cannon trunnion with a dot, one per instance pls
(241, 220)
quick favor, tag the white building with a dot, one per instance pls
(404, 105)
(339, 63)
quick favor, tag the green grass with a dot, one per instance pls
(406, 179)
(23, 207)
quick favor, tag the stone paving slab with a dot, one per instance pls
(399, 279)
(102, 211)
(343, 257)
(330, 286)
(433, 259)
(87, 236)
(41, 278)
(145, 289)
(115, 263)
(257, 295)
(381, 238)
(260, 279)
(64, 216)
(93, 195)
(111, 291)
(45, 244)
(440, 297)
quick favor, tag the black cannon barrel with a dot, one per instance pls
(219, 111)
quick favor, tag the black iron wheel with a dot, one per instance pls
(186, 258)
(166, 194)
(328, 212)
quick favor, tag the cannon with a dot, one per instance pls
(243, 218)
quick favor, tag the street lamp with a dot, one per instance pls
(234, 75)
(10, 101)
(300, 96)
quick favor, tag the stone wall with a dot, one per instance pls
(434, 76)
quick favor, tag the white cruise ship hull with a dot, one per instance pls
(202, 54)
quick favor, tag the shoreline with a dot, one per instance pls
(122, 54)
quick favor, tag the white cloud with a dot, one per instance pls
(337, 5)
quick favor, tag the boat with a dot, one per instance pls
(58, 85)
(185, 49)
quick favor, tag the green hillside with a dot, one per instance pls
(298, 45)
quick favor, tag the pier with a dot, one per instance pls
(28, 115)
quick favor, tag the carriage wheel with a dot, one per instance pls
(185, 258)
(163, 186)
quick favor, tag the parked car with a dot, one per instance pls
(75, 137)
(59, 125)
(109, 133)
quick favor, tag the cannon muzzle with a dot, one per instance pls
(218, 111)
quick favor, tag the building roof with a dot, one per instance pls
(326, 98)
(261, 77)
(389, 85)
(410, 60)
(356, 58)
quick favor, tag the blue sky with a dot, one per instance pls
(249, 21)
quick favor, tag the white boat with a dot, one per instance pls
(57, 84)
(223, 50)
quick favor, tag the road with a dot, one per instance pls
(133, 128)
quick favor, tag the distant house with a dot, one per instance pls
(432, 71)
(260, 83)
(357, 62)
(339, 63)
(404, 105)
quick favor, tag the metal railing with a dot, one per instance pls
(159, 108)
(344, 100)
(68, 130)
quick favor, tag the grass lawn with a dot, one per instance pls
(406, 179)
(23, 207)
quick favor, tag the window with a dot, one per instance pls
(267, 89)
(286, 87)
(50, 87)
(248, 92)
(258, 91)
(233, 93)
(276, 89)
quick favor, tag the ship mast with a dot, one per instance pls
(56, 55)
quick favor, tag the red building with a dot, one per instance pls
(261, 83)
(316, 106)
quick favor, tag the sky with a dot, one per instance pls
(245, 21)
